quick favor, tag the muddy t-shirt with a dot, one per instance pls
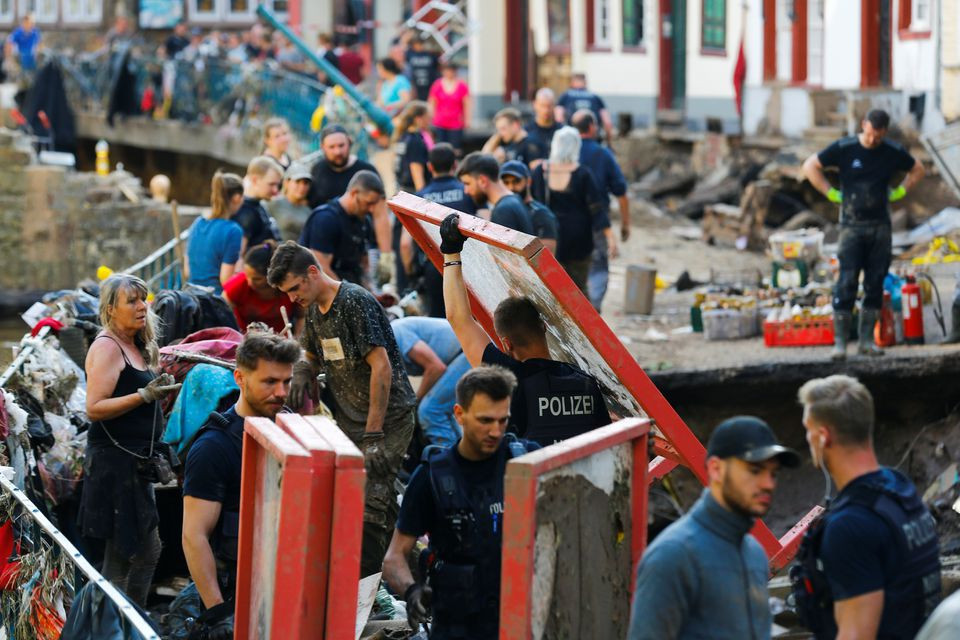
(341, 339)
(865, 176)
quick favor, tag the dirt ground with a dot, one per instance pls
(916, 431)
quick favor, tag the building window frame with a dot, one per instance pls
(559, 46)
(915, 19)
(713, 27)
(48, 17)
(599, 24)
(91, 12)
(639, 26)
(223, 12)
(8, 16)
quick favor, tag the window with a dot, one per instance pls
(632, 23)
(44, 11)
(915, 18)
(82, 11)
(6, 11)
(234, 11)
(815, 42)
(714, 32)
(558, 23)
(920, 20)
(601, 23)
(241, 10)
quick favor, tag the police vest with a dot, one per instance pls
(915, 533)
(464, 565)
(557, 402)
(227, 533)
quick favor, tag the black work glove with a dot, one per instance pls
(374, 453)
(216, 623)
(418, 598)
(451, 240)
(303, 385)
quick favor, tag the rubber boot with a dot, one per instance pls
(954, 321)
(841, 333)
(865, 344)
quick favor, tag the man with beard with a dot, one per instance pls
(480, 175)
(704, 575)
(347, 336)
(331, 174)
(336, 232)
(211, 480)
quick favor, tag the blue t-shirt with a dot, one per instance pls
(604, 167)
(572, 100)
(448, 191)
(435, 332)
(26, 47)
(212, 473)
(213, 242)
(330, 229)
(390, 93)
(861, 553)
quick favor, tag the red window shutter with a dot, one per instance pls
(769, 39)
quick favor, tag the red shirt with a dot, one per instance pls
(249, 307)
(351, 65)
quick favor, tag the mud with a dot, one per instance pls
(590, 530)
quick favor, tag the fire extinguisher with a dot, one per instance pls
(884, 333)
(912, 305)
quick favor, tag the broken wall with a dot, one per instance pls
(58, 226)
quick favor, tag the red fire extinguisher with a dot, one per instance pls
(912, 304)
(884, 333)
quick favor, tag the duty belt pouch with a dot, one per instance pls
(456, 590)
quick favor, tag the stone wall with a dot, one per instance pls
(57, 226)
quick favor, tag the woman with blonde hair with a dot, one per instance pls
(124, 453)
(276, 141)
(213, 247)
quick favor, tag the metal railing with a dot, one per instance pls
(161, 269)
(215, 91)
(55, 551)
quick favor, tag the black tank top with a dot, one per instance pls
(134, 428)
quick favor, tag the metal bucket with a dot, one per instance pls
(638, 293)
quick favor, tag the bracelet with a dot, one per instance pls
(453, 263)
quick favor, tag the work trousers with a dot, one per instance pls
(578, 271)
(133, 575)
(436, 407)
(599, 270)
(863, 247)
(380, 506)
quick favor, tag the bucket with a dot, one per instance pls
(638, 293)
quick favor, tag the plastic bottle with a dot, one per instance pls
(103, 158)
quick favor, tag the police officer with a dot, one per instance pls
(456, 495)
(337, 231)
(867, 163)
(516, 176)
(447, 190)
(870, 567)
(579, 97)
(554, 400)
(211, 480)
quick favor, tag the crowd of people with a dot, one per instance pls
(312, 263)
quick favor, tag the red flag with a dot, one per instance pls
(739, 75)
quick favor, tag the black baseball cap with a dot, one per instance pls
(750, 439)
(516, 169)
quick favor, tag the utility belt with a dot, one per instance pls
(458, 592)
